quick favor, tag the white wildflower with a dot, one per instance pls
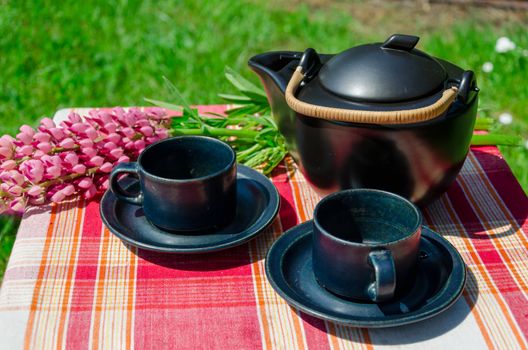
(504, 44)
(505, 118)
(487, 67)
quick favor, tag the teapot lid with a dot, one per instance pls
(383, 73)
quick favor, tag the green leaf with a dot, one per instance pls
(242, 83)
(236, 98)
(165, 105)
(257, 99)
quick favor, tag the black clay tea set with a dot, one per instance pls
(377, 130)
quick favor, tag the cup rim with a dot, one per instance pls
(220, 143)
(323, 231)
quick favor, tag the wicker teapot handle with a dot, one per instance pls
(407, 116)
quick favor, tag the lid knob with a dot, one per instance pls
(401, 42)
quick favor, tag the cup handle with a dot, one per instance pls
(120, 192)
(383, 287)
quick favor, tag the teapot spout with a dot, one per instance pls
(275, 68)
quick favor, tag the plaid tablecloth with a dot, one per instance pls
(71, 284)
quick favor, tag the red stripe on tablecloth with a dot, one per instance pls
(504, 182)
(491, 259)
(85, 277)
(187, 283)
(287, 214)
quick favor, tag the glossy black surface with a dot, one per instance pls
(187, 183)
(440, 281)
(257, 206)
(375, 73)
(418, 161)
(365, 244)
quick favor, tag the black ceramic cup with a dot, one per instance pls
(188, 183)
(366, 244)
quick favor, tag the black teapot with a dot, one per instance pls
(382, 115)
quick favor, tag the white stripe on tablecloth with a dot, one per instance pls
(14, 305)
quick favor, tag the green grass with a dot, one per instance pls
(74, 53)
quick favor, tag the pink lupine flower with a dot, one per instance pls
(79, 127)
(90, 152)
(7, 141)
(139, 145)
(79, 169)
(26, 129)
(26, 150)
(146, 130)
(114, 137)
(37, 200)
(110, 146)
(90, 192)
(33, 170)
(86, 143)
(68, 190)
(53, 172)
(25, 138)
(18, 205)
(6, 153)
(74, 118)
(123, 159)
(16, 177)
(8, 165)
(91, 133)
(106, 167)
(57, 133)
(35, 191)
(47, 123)
(110, 127)
(75, 157)
(71, 158)
(128, 132)
(15, 190)
(67, 143)
(45, 147)
(58, 197)
(85, 183)
(42, 137)
(162, 133)
(116, 152)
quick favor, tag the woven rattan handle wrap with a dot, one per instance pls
(407, 116)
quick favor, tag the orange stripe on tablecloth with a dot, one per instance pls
(101, 276)
(38, 283)
(295, 189)
(332, 331)
(259, 295)
(71, 267)
(469, 297)
(484, 273)
(131, 297)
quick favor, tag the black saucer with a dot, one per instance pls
(440, 281)
(257, 206)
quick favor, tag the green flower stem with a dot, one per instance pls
(216, 132)
(496, 139)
